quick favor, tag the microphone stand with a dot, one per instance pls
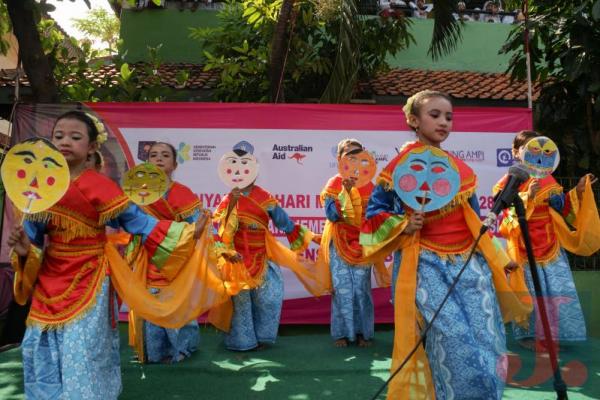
(559, 384)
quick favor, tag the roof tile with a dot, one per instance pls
(396, 82)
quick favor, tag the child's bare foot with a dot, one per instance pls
(261, 346)
(362, 342)
(343, 342)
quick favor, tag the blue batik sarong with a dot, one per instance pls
(256, 313)
(171, 345)
(466, 346)
(561, 300)
(79, 360)
(352, 302)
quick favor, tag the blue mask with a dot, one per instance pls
(427, 179)
(540, 157)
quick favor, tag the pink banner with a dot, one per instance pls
(295, 145)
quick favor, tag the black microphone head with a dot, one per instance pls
(519, 172)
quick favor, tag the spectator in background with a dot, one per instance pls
(491, 14)
(420, 8)
(520, 16)
(460, 15)
(476, 16)
(387, 4)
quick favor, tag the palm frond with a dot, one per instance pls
(447, 31)
(345, 70)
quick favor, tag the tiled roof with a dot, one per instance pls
(198, 79)
(458, 84)
(397, 82)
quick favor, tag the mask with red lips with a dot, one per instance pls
(427, 179)
(238, 171)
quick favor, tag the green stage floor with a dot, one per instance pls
(304, 365)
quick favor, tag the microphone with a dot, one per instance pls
(517, 175)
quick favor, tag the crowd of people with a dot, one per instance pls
(490, 11)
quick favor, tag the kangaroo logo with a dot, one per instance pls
(298, 157)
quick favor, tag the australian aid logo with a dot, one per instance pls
(296, 153)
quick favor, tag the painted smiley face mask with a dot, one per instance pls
(145, 184)
(238, 171)
(360, 166)
(426, 179)
(540, 157)
(35, 175)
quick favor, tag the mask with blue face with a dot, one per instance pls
(427, 179)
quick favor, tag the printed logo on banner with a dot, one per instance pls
(469, 155)
(504, 157)
(291, 152)
(143, 149)
(380, 157)
(203, 152)
(183, 152)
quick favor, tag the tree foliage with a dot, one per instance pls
(241, 47)
(564, 42)
(101, 25)
(5, 27)
(75, 74)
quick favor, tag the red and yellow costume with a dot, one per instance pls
(431, 253)
(548, 227)
(243, 228)
(555, 221)
(68, 282)
(345, 232)
(179, 204)
(64, 278)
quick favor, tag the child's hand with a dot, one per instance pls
(581, 184)
(235, 194)
(349, 183)
(236, 258)
(510, 267)
(534, 187)
(415, 222)
(200, 225)
(19, 241)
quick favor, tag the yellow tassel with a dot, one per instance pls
(46, 326)
(117, 207)
(187, 212)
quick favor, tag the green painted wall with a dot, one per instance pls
(477, 52)
(140, 29)
(588, 287)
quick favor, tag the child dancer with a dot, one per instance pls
(547, 210)
(243, 228)
(178, 204)
(71, 346)
(465, 348)
(347, 271)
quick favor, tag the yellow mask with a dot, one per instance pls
(35, 175)
(145, 184)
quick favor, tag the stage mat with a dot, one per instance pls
(304, 365)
